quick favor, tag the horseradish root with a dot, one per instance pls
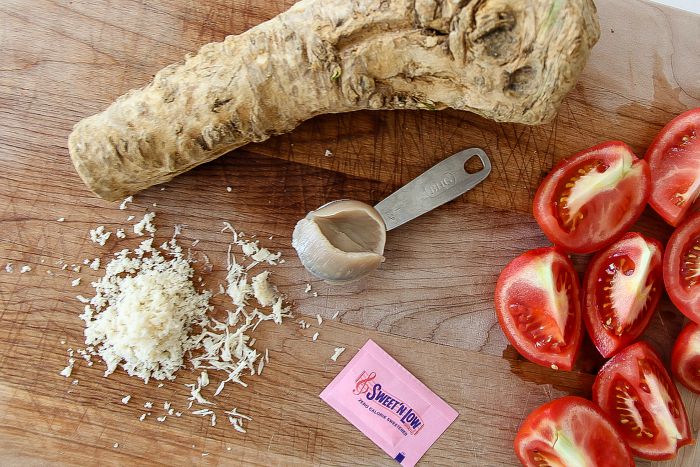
(508, 60)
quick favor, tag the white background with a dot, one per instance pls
(690, 5)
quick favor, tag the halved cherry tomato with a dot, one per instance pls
(643, 402)
(621, 289)
(568, 432)
(591, 199)
(682, 267)
(674, 159)
(538, 307)
(685, 361)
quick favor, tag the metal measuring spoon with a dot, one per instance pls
(343, 241)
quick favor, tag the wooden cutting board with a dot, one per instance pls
(430, 305)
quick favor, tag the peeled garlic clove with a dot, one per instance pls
(341, 241)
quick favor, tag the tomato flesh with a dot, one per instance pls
(622, 287)
(589, 200)
(682, 267)
(570, 432)
(635, 390)
(538, 308)
(685, 361)
(674, 159)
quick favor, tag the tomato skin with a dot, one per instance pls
(571, 415)
(674, 160)
(606, 340)
(683, 293)
(624, 203)
(516, 287)
(685, 360)
(626, 381)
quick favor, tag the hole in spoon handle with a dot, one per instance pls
(441, 183)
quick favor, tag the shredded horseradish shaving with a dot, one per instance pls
(148, 317)
(337, 352)
(99, 236)
(123, 204)
(69, 368)
(144, 310)
(145, 224)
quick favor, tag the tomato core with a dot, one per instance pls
(688, 191)
(567, 219)
(624, 301)
(548, 327)
(690, 263)
(632, 414)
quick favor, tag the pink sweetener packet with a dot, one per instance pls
(388, 404)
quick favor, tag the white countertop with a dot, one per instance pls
(689, 5)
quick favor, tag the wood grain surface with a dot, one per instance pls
(430, 305)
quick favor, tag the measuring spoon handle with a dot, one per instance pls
(441, 183)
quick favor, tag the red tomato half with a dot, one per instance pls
(685, 361)
(591, 199)
(643, 403)
(538, 307)
(682, 267)
(570, 431)
(674, 159)
(621, 289)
